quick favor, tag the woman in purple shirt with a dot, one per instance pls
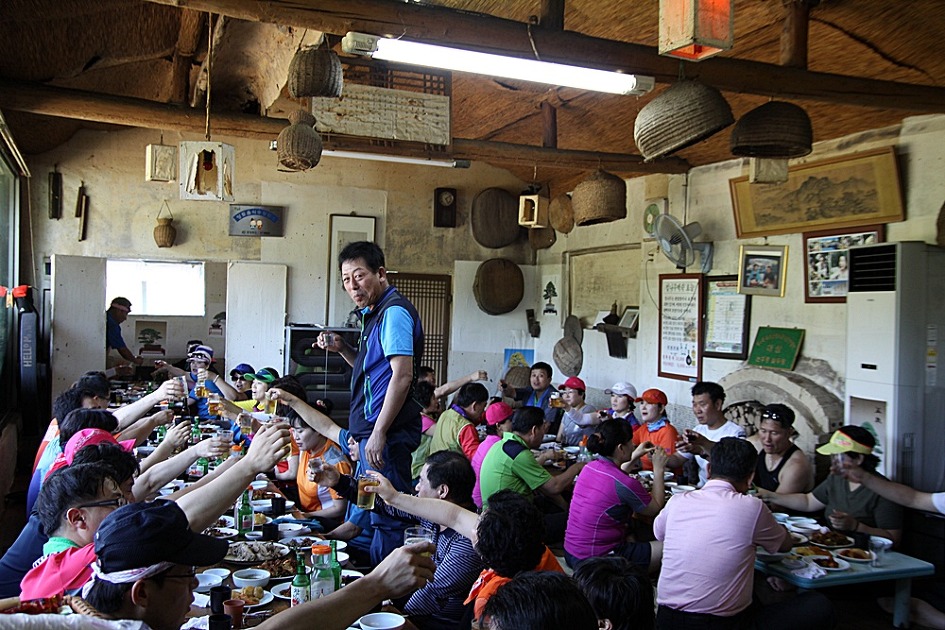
(606, 497)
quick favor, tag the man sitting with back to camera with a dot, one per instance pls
(709, 539)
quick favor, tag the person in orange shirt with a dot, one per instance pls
(322, 503)
(508, 535)
(656, 428)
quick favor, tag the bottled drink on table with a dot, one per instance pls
(204, 465)
(323, 580)
(335, 565)
(301, 590)
(244, 513)
(194, 432)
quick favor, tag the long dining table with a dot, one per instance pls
(895, 566)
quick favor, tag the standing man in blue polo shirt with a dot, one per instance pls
(116, 314)
(384, 417)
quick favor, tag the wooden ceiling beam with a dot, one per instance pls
(188, 38)
(135, 112)
(441, 25)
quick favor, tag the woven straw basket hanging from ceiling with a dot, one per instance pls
(773, 130)
(600, 198)
(315, 71)
(686, 113)
(299, 145)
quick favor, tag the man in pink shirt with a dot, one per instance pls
(709, 538)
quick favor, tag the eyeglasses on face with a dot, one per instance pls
(237, 378)
(112, 503)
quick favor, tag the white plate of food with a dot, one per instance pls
(282, 591)
(260, 519)
(255, 551)
(799, 539)
(225, 521)
(852, 554)
(549, 437)
(350, 575)
(831, 540)
(223, 533)
(254, 596)
(769, 558)
(280, 569)
(829, 564)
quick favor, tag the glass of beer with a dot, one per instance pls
(215, 405)
(246, 423)
(556, 401)
(419, 534)
(365, 498)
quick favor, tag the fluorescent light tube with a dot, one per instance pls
(432, 56)
(399, 159)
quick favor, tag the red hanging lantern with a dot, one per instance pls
(695, 29)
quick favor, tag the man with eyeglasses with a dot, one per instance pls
(74, 502)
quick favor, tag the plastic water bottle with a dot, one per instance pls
(323, 580)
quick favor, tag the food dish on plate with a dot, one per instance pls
(831, 540)
(853, 554)
(282, 591)
(799, 539)
(225, 521)
(265, 505)
(769, 558)
(829, 564)
(793, 561)
(256, 551)
(223, 533)
(811, 551)
(280, 568)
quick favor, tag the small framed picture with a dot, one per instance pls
(630, 318)
(826, 259)
(762, 269)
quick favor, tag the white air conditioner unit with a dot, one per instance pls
(895, 383)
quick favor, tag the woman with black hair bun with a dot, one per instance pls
(848, 506)
(606, 497)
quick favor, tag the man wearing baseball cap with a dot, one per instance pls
(116, 314)
(579, 418)
(622, 395)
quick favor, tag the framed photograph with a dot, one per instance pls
(344, 229)
(826, 258)
(726, 319)
(630, 318)
(680, 332)
(762, 269)
(851, 191)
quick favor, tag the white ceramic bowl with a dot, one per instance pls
(250, 577)
(223, 573)
(801, 519)
(259, 484)
(381, 621)
(288, 530)
(780, 517)
(253, 535)
(206, 581)
(572, 449)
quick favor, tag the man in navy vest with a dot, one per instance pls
(384, 417)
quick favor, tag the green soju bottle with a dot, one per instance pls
(301, 590)
(334, 564)
(244, 513)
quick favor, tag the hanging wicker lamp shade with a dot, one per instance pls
(686, 113)
(299, 145)
(600, 198)
(315, 71)
(773, 130)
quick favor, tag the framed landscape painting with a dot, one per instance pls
(851, 191)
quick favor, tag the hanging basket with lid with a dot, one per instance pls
(315, 71)
(600, 198)
(299, 145)
(164, 232)
(773, 130)
(687, 112)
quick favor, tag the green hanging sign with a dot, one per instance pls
(776, 348)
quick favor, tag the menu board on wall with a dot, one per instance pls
(680, 337)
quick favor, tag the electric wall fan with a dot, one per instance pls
(676, 241)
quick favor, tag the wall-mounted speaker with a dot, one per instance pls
(444, 207)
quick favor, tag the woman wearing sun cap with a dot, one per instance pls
(656, 428)
(622, 394)
(847, 505)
